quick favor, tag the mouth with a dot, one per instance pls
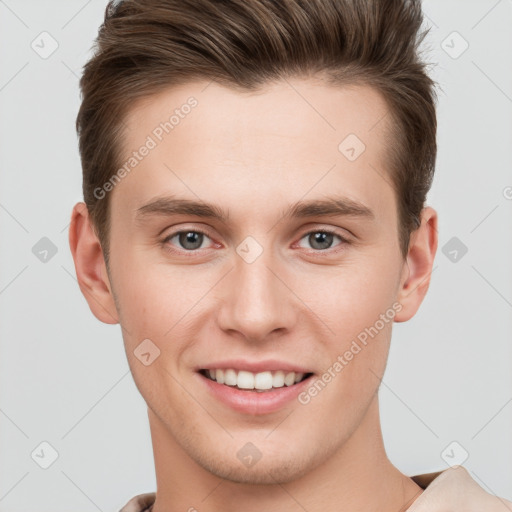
(261, 382)
(254, 388)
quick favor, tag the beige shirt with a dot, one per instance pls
(451, 490)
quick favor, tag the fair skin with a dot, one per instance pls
(301, 302)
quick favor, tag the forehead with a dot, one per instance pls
(288, 139)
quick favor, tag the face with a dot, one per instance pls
(292, 279)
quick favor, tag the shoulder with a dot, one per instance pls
(139, 503)
(453, 490)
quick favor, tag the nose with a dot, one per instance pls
(257, 303)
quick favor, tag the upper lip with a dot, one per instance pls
(254, 366)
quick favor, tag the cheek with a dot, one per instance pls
(359, 310)
(158, 301)
(356, 295)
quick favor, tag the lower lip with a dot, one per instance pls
(254, 402)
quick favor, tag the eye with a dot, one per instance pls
(321, 240)
(189, 240)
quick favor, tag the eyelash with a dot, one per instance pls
(167, 247)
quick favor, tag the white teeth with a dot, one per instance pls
(278, 379)
(230, 378)
(259, 381)
(262, 380)
(289, 379)
(245, 380)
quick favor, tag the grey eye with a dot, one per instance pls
(320, 240)
(188, 240)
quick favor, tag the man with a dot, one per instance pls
(255, 174)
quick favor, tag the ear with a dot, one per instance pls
(90, 267)
(417, 268)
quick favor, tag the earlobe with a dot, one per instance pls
(418, 266)
(90, 266)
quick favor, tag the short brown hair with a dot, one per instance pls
(145, 46)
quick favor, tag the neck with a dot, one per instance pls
(358, 475)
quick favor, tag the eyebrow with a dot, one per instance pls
(330, 206)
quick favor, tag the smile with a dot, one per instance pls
(254, 387)
(259, 382)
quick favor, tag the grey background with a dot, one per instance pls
(64, 378)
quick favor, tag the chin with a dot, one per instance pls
(271, 468)
(271, 472)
